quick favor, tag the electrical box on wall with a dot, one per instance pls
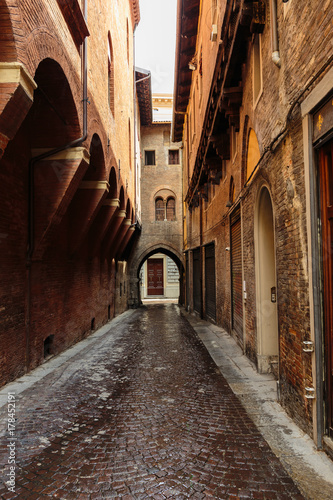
(213, 34)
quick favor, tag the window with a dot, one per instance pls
(257, 70)
(171, 209)
(173, 156)
(159, 209)
(166, 137)
(110, 74)
(232, 191)
(234, 142)
(149, 157)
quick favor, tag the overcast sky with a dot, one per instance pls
(155, 42)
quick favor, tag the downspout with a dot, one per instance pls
(275, 40)
(31, 198)
(135, 132)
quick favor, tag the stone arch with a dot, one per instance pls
(164, 193)
(160, 191)
(159, 248)
(89, 197)
(51, 122)
(122, 203)
(96, 170)
(113, 184)
(136, 264)
(42, 44)
(54, 112)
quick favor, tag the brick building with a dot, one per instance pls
(253, 106)
(162, 211)
(68, 177)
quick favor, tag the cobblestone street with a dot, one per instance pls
(142, 412)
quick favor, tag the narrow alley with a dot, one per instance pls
(140, 411)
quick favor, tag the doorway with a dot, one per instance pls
(155, 277)
(236, 275)
(325, 156)
(268, 338)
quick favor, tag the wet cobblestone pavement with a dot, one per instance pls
(141, 413)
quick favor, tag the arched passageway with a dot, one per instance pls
(157, 273)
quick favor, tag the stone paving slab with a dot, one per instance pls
(139, 410)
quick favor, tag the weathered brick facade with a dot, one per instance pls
(65, 218)
(237, 89)
(160, 180)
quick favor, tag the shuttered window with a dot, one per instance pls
(159, 209)
(171, 209)
(196, 281)
(173, 157)
(236, 275)
(210, 286)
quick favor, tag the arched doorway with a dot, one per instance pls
(176, 272)
(159, 278)
(267, 333)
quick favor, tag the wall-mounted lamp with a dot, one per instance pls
(229, 204)
(285, 1)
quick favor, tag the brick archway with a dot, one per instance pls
(136, 264)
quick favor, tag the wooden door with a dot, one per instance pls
(196, 281)
(210, 285)
(326, 196)
(236, 275)
(155, 277)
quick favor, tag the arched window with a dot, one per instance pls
(253, 153)
(159, 209)
(171, 209)
(110, 74)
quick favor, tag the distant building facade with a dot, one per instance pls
(162, 210)
(253, 107)
(68, 175)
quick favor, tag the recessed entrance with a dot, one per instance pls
(267, 341)
(326, 209)
(155, 277)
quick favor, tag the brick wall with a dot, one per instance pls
(159, 180)
(64, 287)
(305, 51)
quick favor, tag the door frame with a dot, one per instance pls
(308, 107)
(265, 359)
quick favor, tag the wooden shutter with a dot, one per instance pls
(210, 285)
(159, 209)
(171, 209)
(236, 275)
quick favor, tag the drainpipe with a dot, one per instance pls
(32, 163)
(275, 40)
(135, 131)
